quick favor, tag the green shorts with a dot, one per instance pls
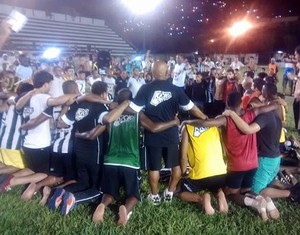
(267, 170)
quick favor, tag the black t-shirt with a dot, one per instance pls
(199, 91)
(161, 101)
(120, 84)
(86, 116)
(269, 134)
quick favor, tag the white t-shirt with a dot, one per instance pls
(134, 85)
(92, 80)
(56, 87)
(23, 72)
(81, 86)
(40, 136)
(171, 63)
(111, 83)
(179, 75)
(236, 65)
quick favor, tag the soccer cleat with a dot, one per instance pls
(56, 199)
(68, 203)
(5, 184)
(168, 196)
(155, 199)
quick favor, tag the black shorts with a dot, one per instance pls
(240, 179)
(213, 184)
(63, 165)
(114, 177)
(170, 155)
(37, 160)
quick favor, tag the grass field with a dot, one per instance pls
(17, 217)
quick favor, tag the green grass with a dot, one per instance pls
(17, 217)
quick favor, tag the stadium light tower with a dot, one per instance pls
(239, 28)
(141, 7)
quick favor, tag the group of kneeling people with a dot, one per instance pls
(87, 124)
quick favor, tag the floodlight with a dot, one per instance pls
(51, 53)
(239, 28)
(141, 7)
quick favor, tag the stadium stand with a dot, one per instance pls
(71, 34)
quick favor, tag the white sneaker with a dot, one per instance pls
(155, 199)
(168, 196)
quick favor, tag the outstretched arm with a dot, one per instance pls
(92, 134)
(195, 111)
(5, 32)
(61, 100)
(24, 99)
(93, 99)
(184, 150)
(218, 122)
(156, 126)
(115, 113)
(266, 108)
(32, 123)
(241, 124)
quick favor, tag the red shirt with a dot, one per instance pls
(229, 87)
(241, 149)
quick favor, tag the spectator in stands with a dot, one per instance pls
(69, 73)
(180, 74)
(288, 70)
(121, 81)
(171, 63)
(111, 83)
(24, 70)
(209, 62)
(273, 68)
(82, 82)
(94, 77)
(231, 84)
(252, 64)
(148, 78)
(236, 64)
(135, 82)
(56, 85)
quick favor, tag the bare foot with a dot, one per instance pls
(29, 192)
(46, 193)
(209, 210)
(99, 214)
(261, 206)
(271, 208)
(122, 215)
(223, 206)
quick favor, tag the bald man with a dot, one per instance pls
(161, 101)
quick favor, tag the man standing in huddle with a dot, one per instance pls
(161, 101)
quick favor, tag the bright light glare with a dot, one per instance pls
(51, 53)
(239, 28)
(141, 7)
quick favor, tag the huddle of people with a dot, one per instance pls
(74, 148)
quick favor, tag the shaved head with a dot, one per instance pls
(160, 70)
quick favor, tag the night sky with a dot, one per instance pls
(184, 25)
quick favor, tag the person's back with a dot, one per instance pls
(164, 100)
(241, 149)
(268, 136)
(204, 160)
(123, 147)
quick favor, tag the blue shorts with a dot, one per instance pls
(267, 170)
